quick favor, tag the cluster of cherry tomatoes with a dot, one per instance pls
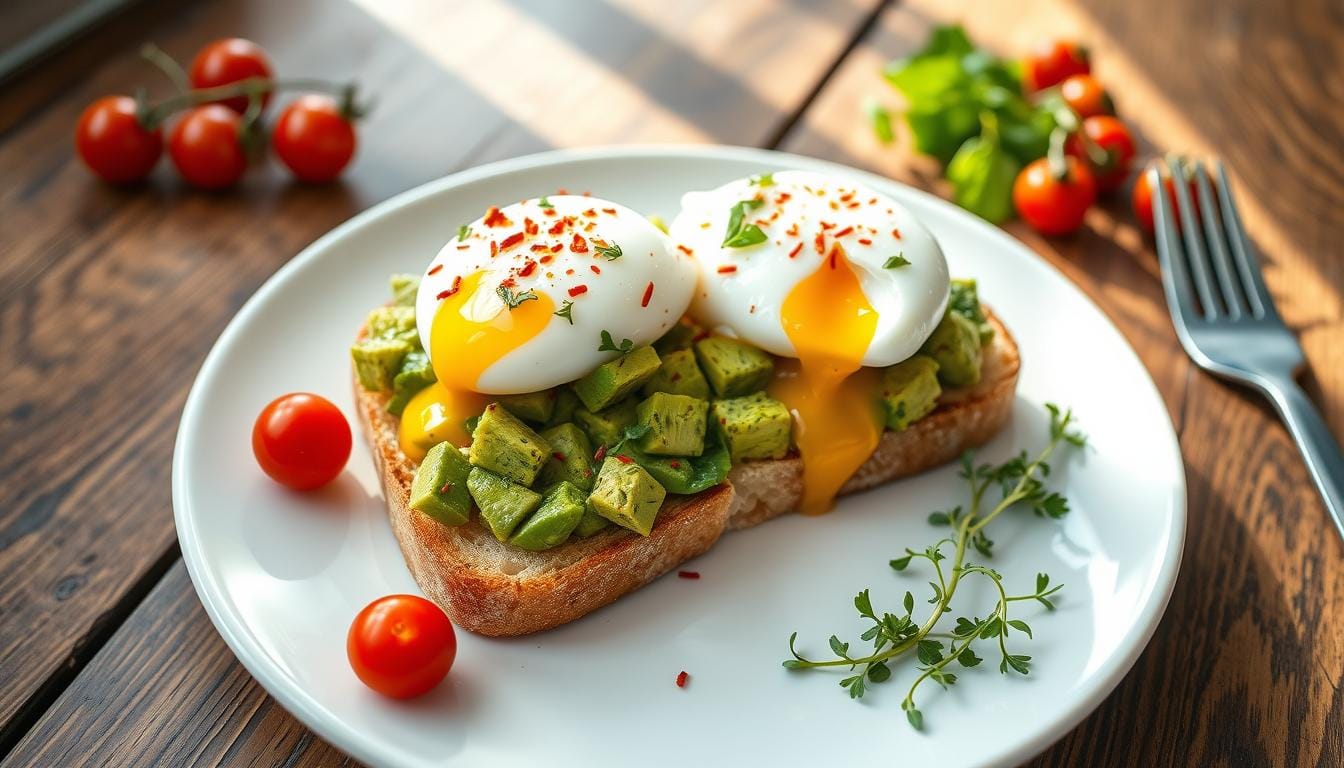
(216, 123)
(401, 646)
(1053, 193)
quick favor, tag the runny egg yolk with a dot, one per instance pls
(461, 349)
(838, 423)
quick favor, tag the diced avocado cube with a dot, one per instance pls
(955, 345)
(909, 391)
(613, 380)
(503, 504)
(753, 427)
(626, 495)
(377, 362)
(536, 407)
(416, 373)
(404, 289)
(503, 444)
(964, 299)
(570, 457)
(679, 336)
(559, 513)
(393, 323)
(566, 403)
(672, 473)
(440, 485)
(734, 368)
(676, 424)
(590, 523)
(679, 374)
(606, 427)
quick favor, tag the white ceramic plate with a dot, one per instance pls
(282, 574)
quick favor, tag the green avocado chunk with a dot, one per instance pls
(377, 361)
(503, 444)
(404, 289)
(685, 475)
(395, 322)
(753, 427)
(566, 403)
(678, 337)
(964, 299)
(626, 495)
(590, 523)
(734, 368)
(535, 407)
(440, 485)
(613, 380)
(676, 424)
(909, 391)
(955, 345)
(607, 427)
(679, 375)
(570, 456)
(503, 504)
(557, 517)
(416, 373)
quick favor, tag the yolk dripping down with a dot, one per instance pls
(461, 349)
(830, 323)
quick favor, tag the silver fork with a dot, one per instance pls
(1225, 316)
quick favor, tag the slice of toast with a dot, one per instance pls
(495, 589)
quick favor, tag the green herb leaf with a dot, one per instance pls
(967, 657)
(879, 117)
(610, 252)
(512, 299)
(901, 563)
(897, 261)
(741, 234)
(763, 180)
(908, 603)
(463, 232)
(879, 672)
(864, 605)
(609, 344)
(566, 311)
(914, 716)
(982, 174)
(545, 202)
(1020, 626)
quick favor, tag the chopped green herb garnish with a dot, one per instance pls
(566, 311)
(611, 252)
(741, 234)
(898, 260)
(463, 232)
(544, 202)
(763, 180)
(609, 344)
(513, 299)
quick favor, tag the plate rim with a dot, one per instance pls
(309, 711)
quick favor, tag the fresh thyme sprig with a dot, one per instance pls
(1019, 481)
(512, 299)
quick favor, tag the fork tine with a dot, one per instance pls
(1216, 239)
(1175, 274)
(1194, 240)
(1248, 267)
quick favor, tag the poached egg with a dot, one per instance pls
(835, 278)
(520, 299)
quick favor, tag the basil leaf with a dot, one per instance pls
(982, 174)
(741, 234)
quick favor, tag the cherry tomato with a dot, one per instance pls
(1053, 62)
(228, 61)
(1143, 200)
(206, 146)
(1054, 206)
(401, 645)
(1085, 95)
(113, 144)
(314, 139)
(1114, 139)
(302, 441)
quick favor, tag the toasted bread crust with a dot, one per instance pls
(493, 589)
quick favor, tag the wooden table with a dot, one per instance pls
(109, 300)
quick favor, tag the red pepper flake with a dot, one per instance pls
(457, 286)
(591, 213)
(463, 247)
(674, 464)
(600, 453)
(792, 231)
(865, 241)
(676, 377)
(530, 226)
(648, 294)
(446, 488)
(496, 218)
(595, 269)
(557, 227)
(783, 197)
(853, 205)
(558, 456)
(540, 247)
(896, 233)
(688, 575)
(547, 259)
(825, 225)
(434, 270)
(835, 252)
(845, 198)
(611, 211)
(873, 201)
(578, 290)
(494, 249)
(579, 245)
(509, 282)
(528, 268)
(835, 206)
(625, 459)
(820, 242)
(843, 232)
(557, 247)
(727, 269)
(685, 250)
(589, 226)
(511, 240)
(562, 191)
(794, 253)
(569, 271)
(682, 678)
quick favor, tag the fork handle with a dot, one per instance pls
(1313, 437)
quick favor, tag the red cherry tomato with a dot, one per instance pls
(302, 441)
(113, 144)
(1085, 95)
(1053, 62)
(401, 646)
(314, 139)
(228, 61)
(1115, 141)
(1054, 206)
(1143, 200)
(206, 147)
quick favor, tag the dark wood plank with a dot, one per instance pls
(117, 294)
